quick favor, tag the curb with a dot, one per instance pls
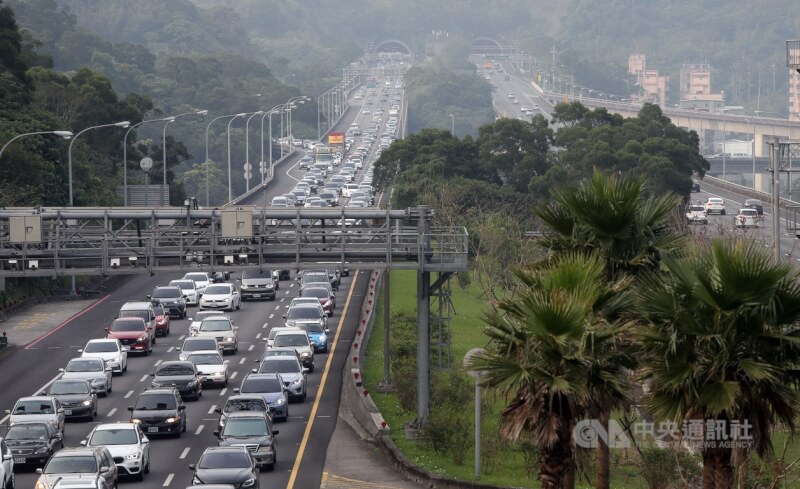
(366, 413)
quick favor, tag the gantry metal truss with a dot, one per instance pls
(36, 242)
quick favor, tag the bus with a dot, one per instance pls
(322, 154)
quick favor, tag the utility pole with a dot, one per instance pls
(775, 168)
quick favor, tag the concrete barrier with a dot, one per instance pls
(746, 192)
(360, 402)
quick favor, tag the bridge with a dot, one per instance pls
(758, 128)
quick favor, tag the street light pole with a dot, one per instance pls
(208, 163)
(230, 186)
(164, 147)
(63, 134)
(452, 125)
(125, 154)
(122, 124)
(248, 167)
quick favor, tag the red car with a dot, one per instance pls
(326, 298)
(133, 333)
(162, 320)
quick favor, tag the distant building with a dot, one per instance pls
(695, 88)
(652, 86)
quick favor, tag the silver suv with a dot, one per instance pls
(78, 462)
(298, 339)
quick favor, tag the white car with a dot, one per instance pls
(189, 289)
(110, 350)
(746, 218)
(198, 318)
(201, 280)
(127, 444)
(715, 204)
(95, 370)
(210, 365)
(696, 214)
(7, 479)
(220, 296)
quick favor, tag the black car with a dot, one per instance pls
(695, 187)
(171, 298)
(159, 411)
(226, 465)
(33, 443)
(257, 284)
(242, 402)
(77, 397)
(181, 375)
(754, 204)
(253, 430)
(220, 277)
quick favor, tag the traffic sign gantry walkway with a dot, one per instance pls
(37, 242)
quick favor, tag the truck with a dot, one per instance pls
(322, 154)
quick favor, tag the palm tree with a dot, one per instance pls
(538, 356)
(721, 343)
(609, 215)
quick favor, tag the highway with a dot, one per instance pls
(303, 441)
(718, 225)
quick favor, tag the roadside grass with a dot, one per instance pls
(501, 466)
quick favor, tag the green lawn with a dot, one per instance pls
(506, 467)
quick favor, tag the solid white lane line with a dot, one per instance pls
(199, 429)
(185, 452)
(212, 408)
(129, 394)
(168, 480)
(144, 377)
(111, 413)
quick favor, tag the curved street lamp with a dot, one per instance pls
(207, 161)
(125, 153)
(202, 112)
(122, 124)
(63, 134)
(248, 167)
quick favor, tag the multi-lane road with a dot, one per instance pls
(303, 440)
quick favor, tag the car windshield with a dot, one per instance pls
(311, 328)
(205, 359)
(244, 405)
(225, 460)
(27, 432)
(174, 369)
(218, 289)
(69, 387)
(71, 464)
(199, 344)
(215, 325)
(141, 314)
(310, 278)
(246, 427)
(155, 402)
(696, 208)
(158, 309)
(101, 347)
(166, 293)
(87, 365)
(272, 352)
(33, 407)
(314, 292)
(291, 340)
(303, 313)
(261, 385)
(127, 326)
(263, 274)
(122, 436)
(197, 277)
(279, 365)
(183, 284)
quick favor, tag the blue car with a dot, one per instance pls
(317, 335)
(271, 388)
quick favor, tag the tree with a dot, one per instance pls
(720, 342)
(540, 353)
